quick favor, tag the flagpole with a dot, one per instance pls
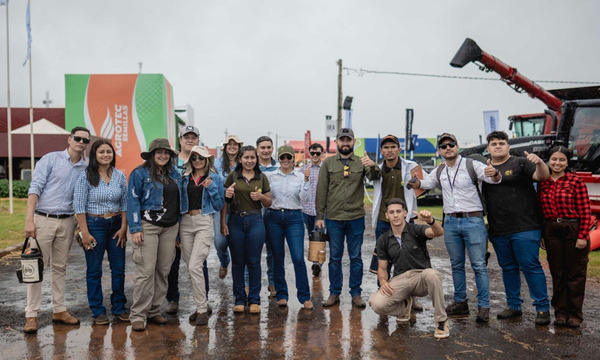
(9, 120)
(32, 157)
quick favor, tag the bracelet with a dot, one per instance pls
(432, 222)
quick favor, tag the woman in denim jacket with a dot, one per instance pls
(202, 197)
(153, 209)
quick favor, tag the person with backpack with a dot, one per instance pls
(460, 180)
(515, 222)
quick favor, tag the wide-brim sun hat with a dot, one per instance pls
(202, 151)
(234, 138)
(159, 143)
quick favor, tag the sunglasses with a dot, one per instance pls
(285, 157)
(346, 171)
(194, 158)
(315, 153)
(81, 139)
(451, 145)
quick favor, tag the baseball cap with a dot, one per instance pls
(189, 129)
(345, 132)
(446, 136)
(389, 138)
(285, 149)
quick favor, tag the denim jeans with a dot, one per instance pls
(221, 241)
(352, 232)
(281, 226)
(381, 228)
(246, 239)
(309, 222)
(520, 251)
(469, 233)
(103, 231)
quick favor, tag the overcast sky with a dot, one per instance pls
(257, 66)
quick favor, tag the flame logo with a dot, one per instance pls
(108, 127)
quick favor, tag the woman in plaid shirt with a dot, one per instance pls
(566, 207)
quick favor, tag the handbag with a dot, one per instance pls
(32, 264)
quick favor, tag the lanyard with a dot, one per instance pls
(456, 173)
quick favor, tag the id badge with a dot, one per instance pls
(451, 200)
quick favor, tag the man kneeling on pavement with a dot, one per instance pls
(405, 246)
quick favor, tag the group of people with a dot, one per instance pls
(177, 204)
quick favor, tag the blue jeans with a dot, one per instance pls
(352, 232)
(469, 233)
(103, 231)
(381, 228)
(246, 239)
(520, 251)
(281, 226)
(220, 241)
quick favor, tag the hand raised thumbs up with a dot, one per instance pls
(533, 158)
(230, 191)
(490, 171)
(256, 194)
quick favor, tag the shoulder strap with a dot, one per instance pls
(473, 175)
(438, 172)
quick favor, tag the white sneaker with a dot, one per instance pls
(442, 330)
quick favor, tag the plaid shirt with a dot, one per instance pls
(309, 207)
(566, 197)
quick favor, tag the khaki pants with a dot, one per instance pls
(411, 283)
(55, 237)
(196, 236)
(153, 260)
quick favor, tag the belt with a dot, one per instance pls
(246, 213)
(283, 210)
(54, 216)
(561, 220)
(466, 214)
(108, 215)
(194, 212)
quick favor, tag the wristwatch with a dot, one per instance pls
(432, 222)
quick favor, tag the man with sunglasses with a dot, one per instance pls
(50, 220)
(464, 227)
(340, 196)
(311, 175)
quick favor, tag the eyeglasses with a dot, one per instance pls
(81, 139)
(451, 145)
(285, 157)
(194, 158)
(346, 171)
(315, 153)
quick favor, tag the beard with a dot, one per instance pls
(345, 150)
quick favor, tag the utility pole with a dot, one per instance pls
(47, 101)
(339, 108)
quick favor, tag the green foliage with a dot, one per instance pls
(20, 188)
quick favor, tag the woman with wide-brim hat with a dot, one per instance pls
(224, 165)
(153, 209)
(202, 197)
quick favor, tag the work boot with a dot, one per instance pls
(209, 309)
(101, 320)
(65, 318)
(458, 308)
(138, 325)
(157, 319)
(331, 300)
(416, 305)
(172, 307)
(407, 309)
(254, 309)
(31, 325)
(124, 316)
(316, 270)
(483, 315)
(542, 318)
(574, 323)
(442, 330)
(560, 320)
(308, 305)
(272, 292)
(222, 272)
(509, 313)
(358, 301)
(202, 319)
(236, 309)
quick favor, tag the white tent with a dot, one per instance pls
(41, 126)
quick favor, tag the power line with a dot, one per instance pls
(362, 71)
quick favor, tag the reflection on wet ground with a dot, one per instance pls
(324, 333)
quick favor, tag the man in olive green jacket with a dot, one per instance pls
(340, 194)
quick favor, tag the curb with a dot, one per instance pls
(8, 250)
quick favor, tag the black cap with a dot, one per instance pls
(345, 132)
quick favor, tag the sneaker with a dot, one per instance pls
(331, 300)
(416, 305)
(542, 318)
(238, 309)
(101, 320)
(124, 317)
(509, 313)
(172, 307)
(358, 301)
(222, 272)
(158, 320)
(272, 292)
(138, 325)
(282, 303)
(483, 315)
(458, 308)
(407, 309)
(202, 319)
(254, 309)
(31, 325)
(308, 305)
(442, 330)
(316, 270)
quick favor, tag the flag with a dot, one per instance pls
(491, 121)
(28, 25)
(2, 2)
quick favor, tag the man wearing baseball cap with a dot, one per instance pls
(340, 195)
(464, 227)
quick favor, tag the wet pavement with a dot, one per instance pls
(324, 333)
